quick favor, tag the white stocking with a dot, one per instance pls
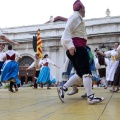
(87, 81)
(72, 81)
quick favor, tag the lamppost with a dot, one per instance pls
(103, 47)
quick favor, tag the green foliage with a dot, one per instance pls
(7, 86)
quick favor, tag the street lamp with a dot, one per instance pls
(96, 50)
(103, 48)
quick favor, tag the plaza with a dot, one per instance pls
(44, 104)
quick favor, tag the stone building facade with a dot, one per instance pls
(100, 31)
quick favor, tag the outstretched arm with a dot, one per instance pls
(8, 40)
(101, 53)
(56, 66)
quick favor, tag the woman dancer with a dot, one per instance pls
(10, 68)
(44, 75)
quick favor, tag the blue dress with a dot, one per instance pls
(10, 69)
(44, 75)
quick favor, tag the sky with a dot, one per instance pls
(15, 13)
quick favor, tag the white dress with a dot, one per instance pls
(113, 64)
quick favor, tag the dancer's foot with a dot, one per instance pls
(16, 89)
(93, 100)
(48, 88)
(105, 87)
(41, 85)
(84, 95)
(72, 92)
(61, 93)
(11, 90)
(112, 90)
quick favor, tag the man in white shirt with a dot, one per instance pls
(74, 39)
(37, 66)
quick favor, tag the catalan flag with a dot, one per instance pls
(39, 44)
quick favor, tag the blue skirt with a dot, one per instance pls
(52, 79)
(10, 70)
(44, 75)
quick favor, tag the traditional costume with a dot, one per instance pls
(10, 69)
(36, 65)
(75, 36)
(44, 75)
(113, 64)
(116, 81)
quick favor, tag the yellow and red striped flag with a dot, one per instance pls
(39, 44)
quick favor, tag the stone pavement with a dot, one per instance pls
(43, 104)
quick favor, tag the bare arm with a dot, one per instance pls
(8, 40)
(101, 53)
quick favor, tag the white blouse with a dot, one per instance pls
(46, 60)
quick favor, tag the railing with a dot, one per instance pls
(23, 72)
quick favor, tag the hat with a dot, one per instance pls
(77, 5)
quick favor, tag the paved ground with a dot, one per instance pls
(43, 104)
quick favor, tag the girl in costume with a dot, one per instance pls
(44, 75)
(10, 68)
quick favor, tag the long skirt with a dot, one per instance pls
(44, 76)
(116, 81)
(10, 71)
(52, 79)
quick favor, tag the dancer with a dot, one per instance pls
(37, 66)
(74, 39)
(10, 68)
(1, 59)
(115, 55)
(44, 75)
(116, 81)
(2, 45)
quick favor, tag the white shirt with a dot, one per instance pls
(111, 53)
(33, 65)
(46, 60)
(75, 27)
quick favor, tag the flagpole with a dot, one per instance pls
(39, 44)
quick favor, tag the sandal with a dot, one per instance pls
(112, 90)
(93, 99)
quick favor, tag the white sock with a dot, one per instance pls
(72, 81)
(87, 81)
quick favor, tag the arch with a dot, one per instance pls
(26, 60)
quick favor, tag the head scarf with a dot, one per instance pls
(77, 5)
